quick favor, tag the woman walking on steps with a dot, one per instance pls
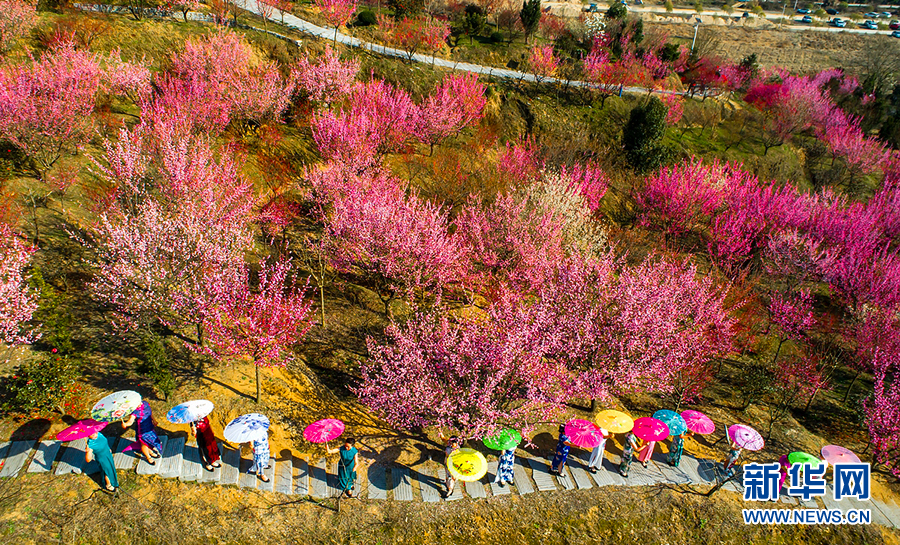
(632, 443)
(206, 441)
(260, 458)
(452, 446)
(347, 465)
(731, 460)
(505, 467)
(596, 460)
(145, 432)
(98, 449)
(562, 452)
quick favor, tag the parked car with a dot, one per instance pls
(871, 15)
(839, 23)
(895, 25)
(885, 14)
(869, 25)
(591, 9)
(896, 34)
(831, 11)
(806, 19)
(803, 11)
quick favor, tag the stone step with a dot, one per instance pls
(301, 481)
(523, 483)
(565, 478)
(16, 456)
(429, 485)
(124, 460)
(457, 489)
(44, 456)
(496, 488)
(401, 484)
(377, 476)
(172, 461)
(318, 480)
(231, 465)
(580, 475)
(72, 459)
(475, 489)
(190, 463)
(284, 477)
(691, 467)
(247, 479)
(671, 474)
(143, 468)
(541, 474)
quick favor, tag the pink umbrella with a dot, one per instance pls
(323, 431)
(834, 454)
(746, 437)
(698, 422)
(80, 430)
(650, 429)
(583, 433)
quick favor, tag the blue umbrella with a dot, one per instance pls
(189, 411)
(676, 423)
(247, 427)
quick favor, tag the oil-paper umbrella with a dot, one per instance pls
(80, 430)
(676, 423)
(803, 458)
(246, 428)
(116, 406)
(467, 464)
(650, 429)
(503, 440)
(189, 411)
(834, 454)
(583, 433)
(614, 421)
(323, 431)
(698, 422)
(746, 437)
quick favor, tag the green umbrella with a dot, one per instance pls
(803, 458)
(503, 440)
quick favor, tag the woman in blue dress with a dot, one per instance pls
(98, 449)
(676, 450)
(349, 461)
(505, 467)
(145, 432)
(260, 458)
(562, 452)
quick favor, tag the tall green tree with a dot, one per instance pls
(643, 134)
(530, 17)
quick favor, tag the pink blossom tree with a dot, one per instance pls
(261, 325)
(17, 300)
(543, 62)
(473, 376)
(456, 103)
(327, 79)
(17, 17)
(337, 12)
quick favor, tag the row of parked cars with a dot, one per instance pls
(869, 24)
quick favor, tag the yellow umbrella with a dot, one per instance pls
(467, 464)
(614, 421)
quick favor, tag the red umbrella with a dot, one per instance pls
(834, 454)
(698, 422)
(650, 429)
(80, 430)
(583, 433)
(323, 431)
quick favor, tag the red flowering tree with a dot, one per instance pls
(543, 62)
(337, 12)
(263, 324)
(420, 34)
(327, 79)
(17, 17)
(456, 103)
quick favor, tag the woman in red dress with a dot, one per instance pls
(206, 440)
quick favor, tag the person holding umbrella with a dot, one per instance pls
(595, 462)
(631, 444)
(349, 461)
(145, 432)
(98, 449)
(196, 414)
(562, 452)
(677, 449)
(452, 446)
(253, 428)
(506, 441)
